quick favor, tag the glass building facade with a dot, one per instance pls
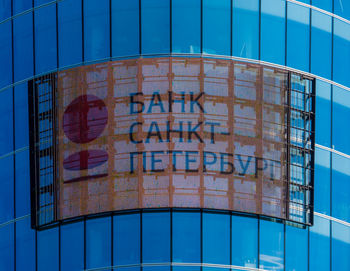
(309, 37)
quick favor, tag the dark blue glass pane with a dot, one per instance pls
(323, 4)
(217, 27)
(6, 121)
(5, 54)
(271, 245)
(341, 52)
(320, 245)
(340, 187)
(98, 242)
(298, 36)
(69, 32)
(186, 30)
(6, 191)
(322, 181)
(7, 247)
(216, 238)
(321, 44)
(23, 46)
(273, 31)
(41, 2)
(340, 246)
(296, 249)
(125, 28)
(25, 245)
(245, 28)
(342, 8)
(126, 239)
(5, 9)
(21, 116)
(22, 183)
(155, 16)
(21, 5)
(186, 237)
(245, 241)
(323, 113)
(72, 246)
(45, 39)
(96, 29)
(48, 250)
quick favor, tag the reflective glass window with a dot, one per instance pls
(155, 16)
(22, 183)
(6, 121)
(321, 44)
(340, 187)
(72, 246)
(98, 242)
(156, 239)
(245, 28)
(245, 241)
(125, 27)
(7, 247)
(5, 54)
(340, 246)
(23, 46)
(45, 39)
(342, 8)
(217, 27)
(96, 29)
(323, 113)
(21, 5)
(41, 2)
(21, 116)
(126, 240)
(186, 29)
(296, 249)
(48, 250)
(341, 52)
(6, 191)
(319, 245)
(25, 245)
(69, 32)
(322, 181)
(5, 9)
(271, 245)
(298, 36)
(323, 4)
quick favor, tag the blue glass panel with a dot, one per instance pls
(155, 29)
(41, 2)
(48, 250)
(245, 28)
(125, 28)
(322, 181)
(21, 5)
(45, 39)
(21, 116)
(245, 241)
(22, 183)
(7, 248)
(5, 9)
(5, 54)
(321, 44)
(25, 245)
(6, 191)
(69, 32)
(156, 239)
(273, 31)
(6, 121)
(98, 242)
(323, 113)
(298, 36)
(320, 245)
(216, 27)
(96, 29)
(296, 249)
(340, 187)
(340, 246)
(126, 240)
(341, 52)
(186, 30)
(271, 245)
(342, 8)
(323, 4)
(72, 246)
(23, 46)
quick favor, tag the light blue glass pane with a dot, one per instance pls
(125, 28)
(25, 246)
(6, 191)
(5, 9)
(245, 28)
(273, 31)
(320, 245)
(72, 246)
(22, 183)
(7, 248)
(342, 8)
(341, 52)
(155, 16)
(21, 116)
(126, 239)
(323, 113)
(69, 32)
(21, 5)
(98, 242)
(45, 39)
(216, 27)
(6, 121)
(323, 4)
(296, 249)
(216, 238)
(321, 44)
(322, 181)
(271, 245)
(96, 29)
(186, 30)
(23, 46)
(48, 250)
(186, 237)
(340, 187)
(298, 37)
(186, 268)
(340, 246)
(5, 54)
(244, 241)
